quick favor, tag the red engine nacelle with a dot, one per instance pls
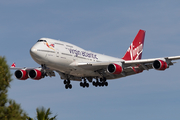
(35, 74)
(21, 74)
(160, 65)
(114, 69)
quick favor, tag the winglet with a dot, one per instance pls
(135, 50)
(13, 65)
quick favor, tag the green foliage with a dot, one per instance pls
(13, 111)
(5, 79)
(43, 114)
(9, 109)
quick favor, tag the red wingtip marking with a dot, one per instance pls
(13, 65)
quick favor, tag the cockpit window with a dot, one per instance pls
(41, 41)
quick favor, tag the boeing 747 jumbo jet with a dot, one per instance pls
(75, 63)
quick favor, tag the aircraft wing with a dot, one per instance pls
(144, 61)
(23, 73)
(19, 68)
(13, 67)
(144, 64)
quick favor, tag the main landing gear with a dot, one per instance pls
(84, 84)
(67, 84)
(99, 82)
(96, 83)
(102, 82)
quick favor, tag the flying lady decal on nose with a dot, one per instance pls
(51, 46)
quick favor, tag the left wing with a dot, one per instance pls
(22, 73)
(143, 64)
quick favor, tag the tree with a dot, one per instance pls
(9, 109)
(43, 114)
(13, 111)
(5, 78)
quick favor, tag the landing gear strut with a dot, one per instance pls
(67, 84)
(84, 84)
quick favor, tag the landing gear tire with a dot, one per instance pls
(101, 82)
(84, 84)
(81, 84)
(106, 83)
(87, 85)
(94, 83)
(67, 84)
(70, 86)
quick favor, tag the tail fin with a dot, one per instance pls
(135, 50)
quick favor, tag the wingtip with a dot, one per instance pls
(13, 65)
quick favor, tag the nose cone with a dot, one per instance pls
(33, 51)
(34, 54)
(37, 53)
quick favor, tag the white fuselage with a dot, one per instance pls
(64, 57)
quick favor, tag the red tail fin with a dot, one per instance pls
(135, 50)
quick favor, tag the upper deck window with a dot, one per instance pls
(41, 41)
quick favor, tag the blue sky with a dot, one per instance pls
(106, 27)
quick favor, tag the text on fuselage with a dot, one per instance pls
(82, 53)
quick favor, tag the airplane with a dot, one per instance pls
(74, 63)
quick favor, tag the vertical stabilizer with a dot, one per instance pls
(135, 50)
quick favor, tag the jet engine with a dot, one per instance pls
(35, 74)
(114, 68)
(21, 74)
(159, 65)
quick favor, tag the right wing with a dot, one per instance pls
(131, 66)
